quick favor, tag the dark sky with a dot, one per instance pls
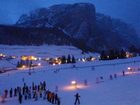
(127, 10)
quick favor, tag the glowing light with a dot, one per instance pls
(83, 60)
(39, 58)
(2, 55)
(39, 64)
(129, 68)
(53, 64)
(47, 59)
(73, 88)
(107, 56)
(93, 59)
(24, 58)
(59, 63)
(79, 59)
(13, 57)
(66, 61)
(73, 82)
(129, 73)
(23, 66)
(29, 58)
(129, 55)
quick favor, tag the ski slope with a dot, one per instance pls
(123, 90)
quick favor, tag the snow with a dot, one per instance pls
(123, 90)
(44, 51)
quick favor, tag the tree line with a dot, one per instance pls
(113, 54)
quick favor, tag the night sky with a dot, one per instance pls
(127, 10)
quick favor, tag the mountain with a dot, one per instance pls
(78, 22)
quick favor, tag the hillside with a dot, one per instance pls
(122, 90)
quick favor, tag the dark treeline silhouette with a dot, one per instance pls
(69, 59)
(63, 60)
(134, 49)
(27, 63)
(15, 35)
(113, 54)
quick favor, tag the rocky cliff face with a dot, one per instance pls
(81, 22)
(78, 20)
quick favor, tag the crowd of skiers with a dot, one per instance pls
(34, 92)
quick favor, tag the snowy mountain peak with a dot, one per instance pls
(79, 22)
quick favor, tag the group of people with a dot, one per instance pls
(111, 76)
(39, 91)
(33, 92)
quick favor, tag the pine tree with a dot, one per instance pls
(69, 59)
(103, 56)
(63, 59)
(111, 55)
(122, 54)
(73, 59)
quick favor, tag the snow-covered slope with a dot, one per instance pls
(45, 51)
(123, 90)
(42, 51)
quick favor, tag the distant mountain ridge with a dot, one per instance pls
(78, 22)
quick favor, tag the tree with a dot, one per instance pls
(103, 56)
(133, 49)
(73, 59)
(122, 54)
(63, 59)
(69, 59)
(111, 55)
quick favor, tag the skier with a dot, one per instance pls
(52, 98)
(20, 98)
(58, 101)
(25, 96)
(111, 77)
(15, 92)
(101, 78)
(85, 82)
(44, 85)
(36, 96)
(5, 93)
(123, 73)
(77, 96)
(11, 91)
(56, 98)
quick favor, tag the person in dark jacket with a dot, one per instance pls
(77, 100)
(111, 77)
(5, 93)
(58, 101)
(20, 98)
(123, 72)
(11, 92)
